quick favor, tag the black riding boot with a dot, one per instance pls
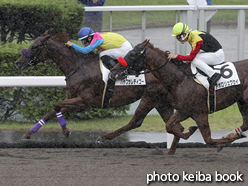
(109, 63)
(213, 80)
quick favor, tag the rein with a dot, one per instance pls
(78, 68)
(156, 69)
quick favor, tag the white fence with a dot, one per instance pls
(32, 81)
(189, 15)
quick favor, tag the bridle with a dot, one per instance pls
(142, 60)
(140, 63)
(33, 59)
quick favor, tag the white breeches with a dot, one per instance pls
(203, 59)
(117, 52)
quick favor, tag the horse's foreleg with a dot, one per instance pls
(68, 104)
(60, 108)
(40, 123)
(143, 109)
(173, 126)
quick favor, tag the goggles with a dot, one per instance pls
(179, 36)
(85, 41)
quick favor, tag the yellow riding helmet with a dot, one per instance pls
(180, 28)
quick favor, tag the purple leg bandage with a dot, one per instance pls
(61, 119)
(37, 126)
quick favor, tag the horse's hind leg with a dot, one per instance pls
(238, 132)
(202, 122)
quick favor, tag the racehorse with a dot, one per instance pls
(190, 98)
(84, 87)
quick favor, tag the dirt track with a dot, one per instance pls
(117, 166)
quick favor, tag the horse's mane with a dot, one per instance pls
(183, 66)
(161, 52)
(61, 37)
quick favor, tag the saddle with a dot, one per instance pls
(126, 77)
(229, 78)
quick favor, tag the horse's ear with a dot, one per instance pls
(146, 42)
(46, 34)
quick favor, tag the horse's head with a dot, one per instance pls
(135, 59)
(37, 52)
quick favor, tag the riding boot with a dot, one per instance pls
(213, 80)
(108, 62)
(109, 92)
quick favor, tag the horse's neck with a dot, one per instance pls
(67, 61)
(73, 62)
(168, 74)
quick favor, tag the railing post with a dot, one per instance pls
(241, 31)
(143, 35)
(188, 17)
(110, 21)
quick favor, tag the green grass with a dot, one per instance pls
(227, 119)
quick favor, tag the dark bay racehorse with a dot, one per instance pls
(84, 88)
(190, 98)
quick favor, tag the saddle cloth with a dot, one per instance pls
(229, 76)
(129, 80)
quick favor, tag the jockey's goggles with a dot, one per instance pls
(85, 41)
(179, 36)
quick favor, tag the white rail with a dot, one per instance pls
(32, 81)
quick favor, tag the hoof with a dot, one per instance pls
(220, 147)
(25, 137)
(67, 134)
(242, 135)
(99, 140)
(193, 128)
(172, 152)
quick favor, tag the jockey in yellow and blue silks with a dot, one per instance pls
(111, 45)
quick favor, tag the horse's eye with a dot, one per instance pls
(34, 47)
(132, 54)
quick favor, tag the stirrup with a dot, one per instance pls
(214, 79)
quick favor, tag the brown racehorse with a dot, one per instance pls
(84, 87)
(190, 98)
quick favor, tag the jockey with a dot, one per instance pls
(206, 50)
(110, 44)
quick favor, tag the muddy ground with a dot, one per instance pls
(130, 166)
